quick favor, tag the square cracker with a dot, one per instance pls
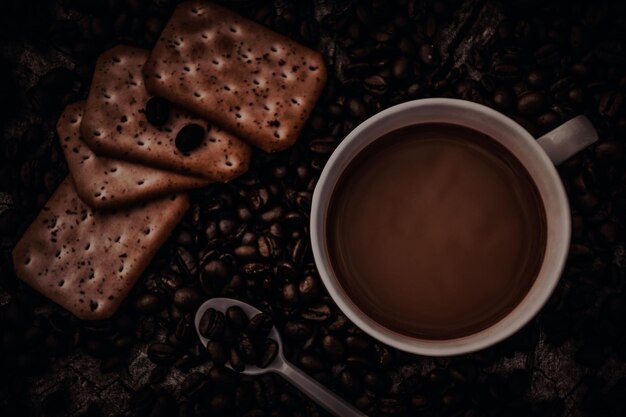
(254, 82)
(115, 125)
(107, 183)
(87, 260)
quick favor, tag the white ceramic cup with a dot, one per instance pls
(538, 156)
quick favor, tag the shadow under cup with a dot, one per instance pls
(435, 231)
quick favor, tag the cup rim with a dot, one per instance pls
(431, 347)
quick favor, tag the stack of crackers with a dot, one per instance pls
(156, 124)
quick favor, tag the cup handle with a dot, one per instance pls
(568, 139)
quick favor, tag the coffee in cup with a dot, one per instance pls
(436, 230)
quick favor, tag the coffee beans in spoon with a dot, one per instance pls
(238, 339)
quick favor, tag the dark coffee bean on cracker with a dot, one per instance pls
(157, 111)
(189, 137)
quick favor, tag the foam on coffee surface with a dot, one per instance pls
(103, 182)
(87, 260)
(240, 75)
(115, 124)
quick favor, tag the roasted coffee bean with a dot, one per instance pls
(333, 347)
(319, 312)
(290, 294)
(375, 85)
(148, 303)
(157, 111)
(188, 298)
(246, 253)
(246, 348)
(259, 326)
(357, 343)
(272, 215)
(267, 354)
(186, 262)
(298, 330)
(222, 377)
(189, 138)
(311, 362)
(217, 352)
(254, 268)
(531, 102)
(235, 360)
(349, 382)
(236, 318)
(161, 353)
(323, 145)
(185, 331)
(427, 54)
(214, 274)
(268, 246)
(391, 405)
(212, 324)
(377, 382)
(309, 288)
(610, 104)
(356, 108)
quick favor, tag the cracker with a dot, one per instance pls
(106, 183)
(87, 260)
(254, 82)
(115, 124)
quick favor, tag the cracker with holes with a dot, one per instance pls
(123, 121)
(87, 260)
(106, 183)
(251, 81)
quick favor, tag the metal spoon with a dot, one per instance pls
(317, 392)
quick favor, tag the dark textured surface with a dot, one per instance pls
(539, 62)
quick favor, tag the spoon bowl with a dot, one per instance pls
(222, 304)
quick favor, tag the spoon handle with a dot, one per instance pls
(317, 392)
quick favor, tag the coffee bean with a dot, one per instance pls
(290, 294)
(548, 120)
(246, 253)
(349, 382)
(375, 85)
(309, 288)
(217, 352)
(236, 360)
(212, 324)
(376, 381)
(246, 348)
(267, 354)
(356, 108)
(236, 318)
(610, 104)
(189, 138)
(298, 330)
(311, 362)
(427, 54)
(148, 303)
(188, 298)
(157, 111)
(319, 312)
(214, 274)
(259, 326)
(531, 103)
(222, 377)
(161, 353)
(503, 98)
(333, 347)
